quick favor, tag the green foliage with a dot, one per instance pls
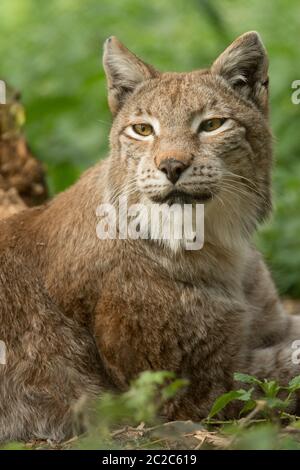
(134, 415)
(266, 394)
(223, 400)
(294, 384)
(141, 403)
(265, 423)
(262, 436)
(13, 446)
(51, 51)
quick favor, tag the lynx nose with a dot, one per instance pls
(172, 168)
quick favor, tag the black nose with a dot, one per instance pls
(172, 168)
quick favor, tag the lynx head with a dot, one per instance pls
(201, 136)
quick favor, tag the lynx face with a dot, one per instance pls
(193, 137)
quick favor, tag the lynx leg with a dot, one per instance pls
(51, 362)
(278, 361)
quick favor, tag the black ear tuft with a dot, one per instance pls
(244, 65)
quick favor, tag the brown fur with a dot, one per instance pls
(203, 314)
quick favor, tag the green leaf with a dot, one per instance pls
(227, 398)
(150, 378)
(294, 384)
(170, 390)
(249, 406)
(270, 388)
(276, 403)
(246, 378)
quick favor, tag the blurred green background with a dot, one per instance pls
(51, 52)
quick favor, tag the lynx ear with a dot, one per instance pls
(244, 64)
(124, 71)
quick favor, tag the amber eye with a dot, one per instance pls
(143, 129)
(211, 124)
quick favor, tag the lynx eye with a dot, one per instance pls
(211, 124)
(143, 129)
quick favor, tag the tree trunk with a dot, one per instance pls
(22, 177)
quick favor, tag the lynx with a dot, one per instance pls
(80, 315)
